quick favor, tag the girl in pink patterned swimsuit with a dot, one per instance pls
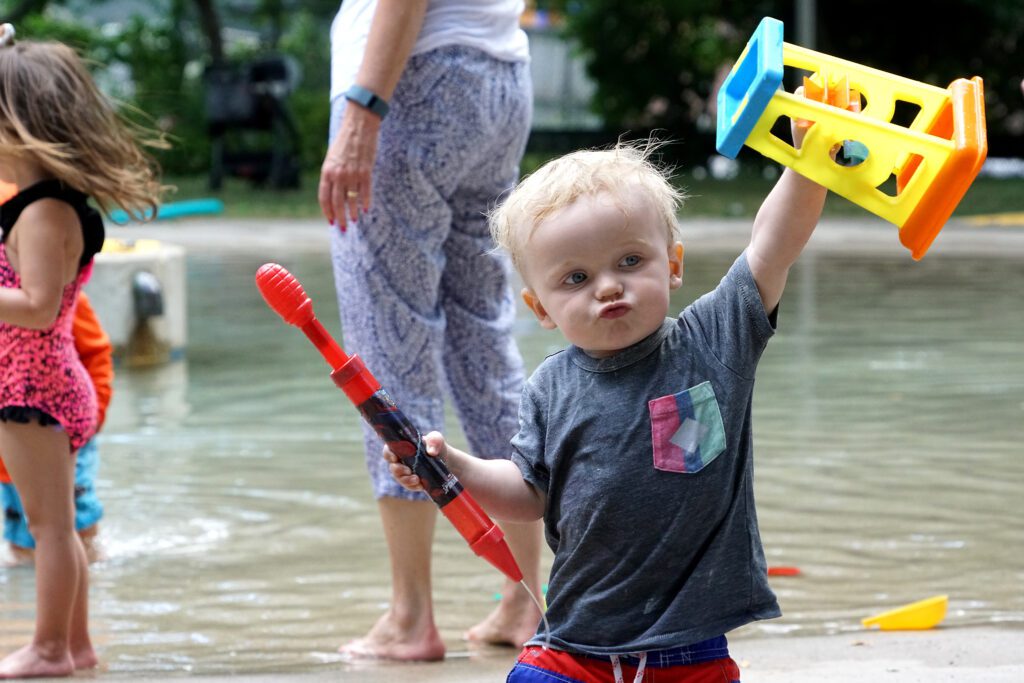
(60, 143)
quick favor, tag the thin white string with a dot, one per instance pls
(617, 669)
(543, 615)
(639, 678)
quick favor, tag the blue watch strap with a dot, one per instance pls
(369, 99)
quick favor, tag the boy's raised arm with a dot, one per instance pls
(782, 227)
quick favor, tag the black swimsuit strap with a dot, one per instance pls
(90, 218)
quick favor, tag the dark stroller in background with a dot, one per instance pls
(252, 132)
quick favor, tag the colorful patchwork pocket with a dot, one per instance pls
(686, 429)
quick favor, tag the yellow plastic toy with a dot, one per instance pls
(917, 616)
(933, 160)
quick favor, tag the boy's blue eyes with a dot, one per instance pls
(579, 277)
(575, 278)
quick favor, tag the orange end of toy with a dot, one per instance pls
(283, 293)
(485, 538)
(962, 122)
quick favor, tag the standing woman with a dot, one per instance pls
(430, 112)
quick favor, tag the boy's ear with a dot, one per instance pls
(533, 303)
(675, 265)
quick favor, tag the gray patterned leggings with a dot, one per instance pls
(423, 300)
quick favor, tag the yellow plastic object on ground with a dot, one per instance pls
(113, 245)
(933, 160)
(917, 616)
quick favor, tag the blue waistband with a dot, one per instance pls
(704, 651)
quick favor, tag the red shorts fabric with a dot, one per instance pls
(537, 665)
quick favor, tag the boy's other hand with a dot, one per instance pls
(435, 446)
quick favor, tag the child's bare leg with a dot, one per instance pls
(79, 643)
(42, 468)
(515, 619)
(21, 556)
(407, 630)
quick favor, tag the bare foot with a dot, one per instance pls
(390, 640)
(28, 662)
(513, 622)
(84, 658)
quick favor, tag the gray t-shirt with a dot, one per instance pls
(646, 461)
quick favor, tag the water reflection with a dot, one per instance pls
(241, 536)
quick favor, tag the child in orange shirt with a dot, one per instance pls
(94, 348)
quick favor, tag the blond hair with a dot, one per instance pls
(617, 172)
(52, 112)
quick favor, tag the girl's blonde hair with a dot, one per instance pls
(618, 172)
(52, 112)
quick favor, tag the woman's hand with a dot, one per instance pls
(435, 446)
(346, 176)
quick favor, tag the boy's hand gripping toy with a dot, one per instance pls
(934, 159)
(285, 295)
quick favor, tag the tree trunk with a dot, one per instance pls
(209, 20)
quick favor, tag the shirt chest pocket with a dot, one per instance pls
(686, 429)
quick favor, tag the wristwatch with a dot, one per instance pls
(369, 99)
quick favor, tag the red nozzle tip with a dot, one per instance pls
(283, 293)
(493, 548)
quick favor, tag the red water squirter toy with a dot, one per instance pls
(285, 294)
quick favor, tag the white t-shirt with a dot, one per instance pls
(488, 25)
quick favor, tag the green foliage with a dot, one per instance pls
(153, 68)
(306, 39)
(655, 61)
(42, 27)
(165, 91)
(242, 201)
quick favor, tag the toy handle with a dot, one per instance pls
(404, 440)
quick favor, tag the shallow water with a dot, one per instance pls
(240, 533)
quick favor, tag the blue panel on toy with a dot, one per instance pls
(749, 87)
